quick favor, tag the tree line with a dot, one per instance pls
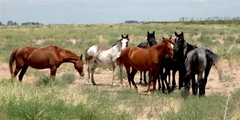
(215, 19)
(11, 23)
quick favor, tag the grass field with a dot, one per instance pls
(46, 99)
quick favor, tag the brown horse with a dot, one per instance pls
(145, 60)
(40, 58)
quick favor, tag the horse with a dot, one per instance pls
(145, 60)
(198, 61)
(98, 55)
(151, 40)
(180, 48)
(41, 58)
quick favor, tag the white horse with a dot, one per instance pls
(98, 55)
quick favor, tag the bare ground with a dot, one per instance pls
(103, 78)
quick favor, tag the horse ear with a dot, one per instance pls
(153, 32)
(163, 38)
(122, 36)
(127, 36)
(182, 33)
(170, 37)
(176, 34)
(81, 56)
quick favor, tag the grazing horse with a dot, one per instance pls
(198, 61)
(151, 40)
(145, 60)
(98, 55)
(40, 58)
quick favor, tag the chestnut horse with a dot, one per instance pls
(145, 60)
(40, 58)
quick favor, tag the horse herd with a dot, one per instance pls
(158, 59)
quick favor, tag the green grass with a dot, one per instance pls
(53, 99)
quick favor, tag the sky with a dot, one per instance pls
(113, 11)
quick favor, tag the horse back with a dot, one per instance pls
(138, 58)
(39, 58)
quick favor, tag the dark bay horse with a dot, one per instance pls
(40, 58)
(181, 48)
(199, 61)
(145, 60)
(151, 40)
(98, 55)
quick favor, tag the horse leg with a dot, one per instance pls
(121, 70)
(92, 74)
(114, 72)
(207, 70)
(17, 69)
(200, 84)
(155, 77)
(173, 79)
(195, 84)
(182, 73)
(53, 71)
(23, 71)
(88, 70)
(159, 82)
(164, 80)
(144, 77)
(140, 77)
(133, 73)
(128, 74)
(150, 74)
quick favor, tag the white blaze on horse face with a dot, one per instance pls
(172, 45)
(124, 43)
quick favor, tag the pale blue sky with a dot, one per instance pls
(113, 11)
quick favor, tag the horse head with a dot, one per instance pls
(78, 65)
(179, 41)
(124, 41)
(151, 38)
(169, 43)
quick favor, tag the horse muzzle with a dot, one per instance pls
(82, 74)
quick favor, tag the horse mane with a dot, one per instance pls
(118, 46)
(64, 50)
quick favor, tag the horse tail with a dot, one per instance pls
(216, 61)
(87, 56)
(11, 60)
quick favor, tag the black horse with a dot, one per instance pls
(151, 40)
(182, 50)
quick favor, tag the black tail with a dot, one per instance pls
(215, 60)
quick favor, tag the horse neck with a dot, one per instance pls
(159, 48)
(69, 57)
(116, 49)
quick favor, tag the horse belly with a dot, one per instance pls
(105, 58)
(39, 61)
